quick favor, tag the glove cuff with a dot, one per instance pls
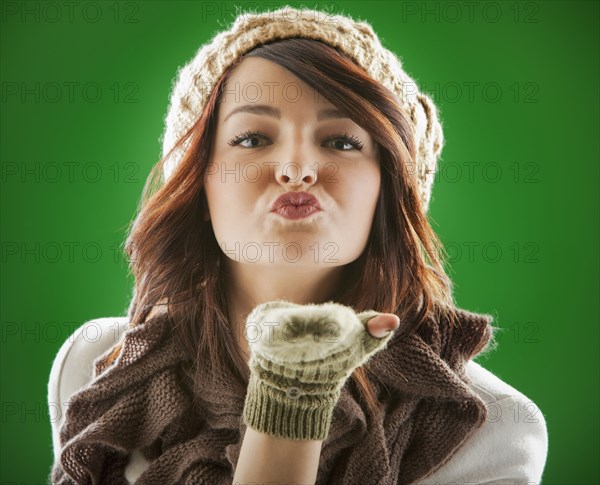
(288, 414)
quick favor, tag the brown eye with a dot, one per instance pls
(343, 140)
(251, 136)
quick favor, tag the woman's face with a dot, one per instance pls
(276, 135)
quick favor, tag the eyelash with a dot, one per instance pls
(352, 140)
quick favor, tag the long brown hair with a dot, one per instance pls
(175, 258)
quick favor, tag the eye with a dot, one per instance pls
(340, 141)
(346, 139)
(251, 136)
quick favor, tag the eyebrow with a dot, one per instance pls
(263, 109)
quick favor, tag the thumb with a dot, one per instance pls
(376, 335)
(382, 324)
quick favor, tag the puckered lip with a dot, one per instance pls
(296, 199)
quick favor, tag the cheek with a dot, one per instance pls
(211, 192)
(216, 194)
(362, 191)
(229, 194)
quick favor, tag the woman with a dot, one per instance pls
(298, 164)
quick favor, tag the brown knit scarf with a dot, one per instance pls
(143, 400)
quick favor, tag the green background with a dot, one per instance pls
(516, 199)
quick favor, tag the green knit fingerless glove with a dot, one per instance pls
(301, 356)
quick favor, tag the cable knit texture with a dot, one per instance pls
(195, 81)
(144, 401)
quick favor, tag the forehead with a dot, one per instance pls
(256, 80)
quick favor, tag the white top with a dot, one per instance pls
(510, 447)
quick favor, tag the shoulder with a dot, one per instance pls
(512, 444)
(72, 368)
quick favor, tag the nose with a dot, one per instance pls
(296, 173)
(302, 168)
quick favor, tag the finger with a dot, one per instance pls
(381, 325)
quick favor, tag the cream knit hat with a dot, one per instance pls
(195, 81)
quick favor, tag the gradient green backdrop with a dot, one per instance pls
(516, 200)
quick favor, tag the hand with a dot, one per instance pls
(301, 357)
